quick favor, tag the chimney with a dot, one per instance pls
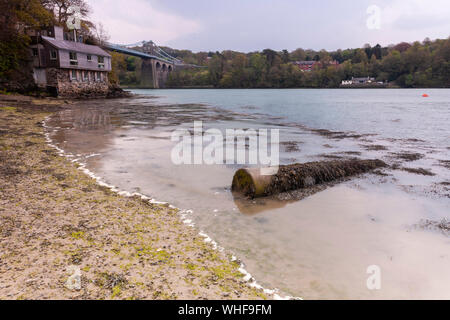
(58, 33)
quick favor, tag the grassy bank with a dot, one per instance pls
(55, 220)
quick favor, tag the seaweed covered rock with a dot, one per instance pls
(115, 91)
(252, 183)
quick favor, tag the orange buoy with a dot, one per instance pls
(425, 95)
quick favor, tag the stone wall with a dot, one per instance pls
(147, 74)
(60, 79)
(154, 73)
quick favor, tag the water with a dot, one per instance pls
(319, 247)
(401, 113)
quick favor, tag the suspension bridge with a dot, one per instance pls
(156, 63)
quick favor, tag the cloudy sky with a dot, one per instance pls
(249, 25)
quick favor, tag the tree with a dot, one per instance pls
(118, 64)
(324, 56)
(258, 65)
(418, 65)
(15, 16)
(368, 50)
(374, 66)
(298, 55)
(285, 56)
(270, 56)
(28, 13)
(337, 56)
(360, 57)
(377, 51)
(393, 65)
(402, 47)
(216, 69)
(101, 35)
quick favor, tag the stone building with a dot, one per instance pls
(67, 67)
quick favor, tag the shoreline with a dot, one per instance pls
(69, 236)
(272, 88)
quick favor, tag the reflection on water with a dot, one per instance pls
(319, 247)
(255, 206)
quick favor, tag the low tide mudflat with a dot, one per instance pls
(319, 247)
(54, 220)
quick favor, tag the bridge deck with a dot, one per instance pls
(131, 52)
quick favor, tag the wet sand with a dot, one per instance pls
(64, 236)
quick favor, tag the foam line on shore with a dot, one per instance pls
(183, 213)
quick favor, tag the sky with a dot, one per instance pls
(253, 25)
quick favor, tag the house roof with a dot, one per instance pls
(363, 79)
(305, 62)
(76, 46)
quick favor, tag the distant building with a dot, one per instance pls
(363, 80)
(346, 82)
(358, 81)
(67, 67)
(308, 66)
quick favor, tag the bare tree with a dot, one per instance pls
(100, 33)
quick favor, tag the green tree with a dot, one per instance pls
(298, 55)
(15, 71)
(216, 69)
(393, 65)
(285, 58)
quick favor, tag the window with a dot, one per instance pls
(89, 58)
(73, 58)
(73, 75)
(53, 55)
(99, 76)
(85, 76)
(35, 52)
(101, 62)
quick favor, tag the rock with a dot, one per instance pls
(114, 91)
(74, 281)
(254, 183)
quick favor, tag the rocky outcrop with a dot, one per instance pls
(114, 91)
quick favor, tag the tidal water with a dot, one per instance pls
(321, 246)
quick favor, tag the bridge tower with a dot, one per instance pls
(149, 47)
(156, 64)
(154, 73)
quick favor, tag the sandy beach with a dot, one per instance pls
(63, 236)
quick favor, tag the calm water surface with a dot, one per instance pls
(319, 247)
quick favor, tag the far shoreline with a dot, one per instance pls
(301, 88)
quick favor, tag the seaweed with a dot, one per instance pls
(299, 176)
